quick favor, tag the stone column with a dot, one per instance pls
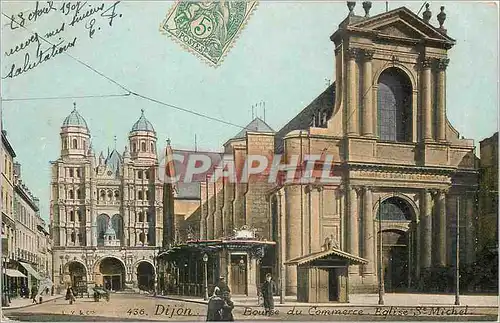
(426, 230)
(369, 238)
(352, 95)
(426, 99)
(353, 226)
(441, 99)
(367, 93)
(441, 229)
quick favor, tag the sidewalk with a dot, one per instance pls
(390, 299)
(19, 302)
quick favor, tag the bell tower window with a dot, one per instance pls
(394, 115)
(75, 144)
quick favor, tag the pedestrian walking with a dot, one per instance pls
(268, 290)
(34, 291)
(70, 295)
(215, 306)
(227, 307)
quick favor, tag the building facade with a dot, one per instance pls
(404, 173)
(106, 211)
(8, 220)
(28, 222)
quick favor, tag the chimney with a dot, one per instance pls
(17, 169)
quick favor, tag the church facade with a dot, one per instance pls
(404, 171)
(106, 211)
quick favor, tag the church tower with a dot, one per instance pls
(75, 135)
(142, 140)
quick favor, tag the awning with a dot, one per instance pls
(14, 273)
(31, 271)
(338, 254)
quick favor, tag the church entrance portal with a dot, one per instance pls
(397, 253)
(113, 274)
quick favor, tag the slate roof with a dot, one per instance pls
(74, 119)
(323, 103)
(143, 124)
(114, 160)
(257, 125)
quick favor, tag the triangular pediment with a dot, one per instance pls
(402, 23)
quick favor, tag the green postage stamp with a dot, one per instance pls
(208, 28)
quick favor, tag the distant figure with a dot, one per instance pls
(215, 306)
(34, 291)
(268, 290)
(70, 295)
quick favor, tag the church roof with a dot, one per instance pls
(74, 119)
(114, 160)
(143, 124)
(322, 103)
(257, 125)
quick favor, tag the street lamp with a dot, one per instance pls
(205, 261)
(381, 287)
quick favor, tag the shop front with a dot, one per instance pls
(197, 265)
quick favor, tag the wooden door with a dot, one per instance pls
(239, 274)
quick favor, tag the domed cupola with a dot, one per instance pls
(75, 135)
(75, 119)
(142, 139)
(143, 124)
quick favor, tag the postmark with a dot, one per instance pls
(208, 29)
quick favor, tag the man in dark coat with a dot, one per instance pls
(215, 306)
(227, 308)
(268, 290)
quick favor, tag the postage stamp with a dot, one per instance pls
(208, 28)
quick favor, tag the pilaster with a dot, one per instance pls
(367, 93)
(426, 99)
(440, 235)
(441, 99)
(369, 238)
(352, 95)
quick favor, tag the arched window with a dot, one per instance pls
(152, 147)
(146, 174)
(394, 115)
(117, 195)
(78, 194)
(110, 195)
(140, 195)
(80, 216)
(71, 216)
(71, 173)
(75, 144)
(78, 174)
(71, 194)
(80, 237)
(147, 195)
(134, 147)
(102, 224)
(142, 237)
(65, 144)
(103, 195)
(73, 237)
(141, 217)
(139, 174)
(395, 209)
(143, 146)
